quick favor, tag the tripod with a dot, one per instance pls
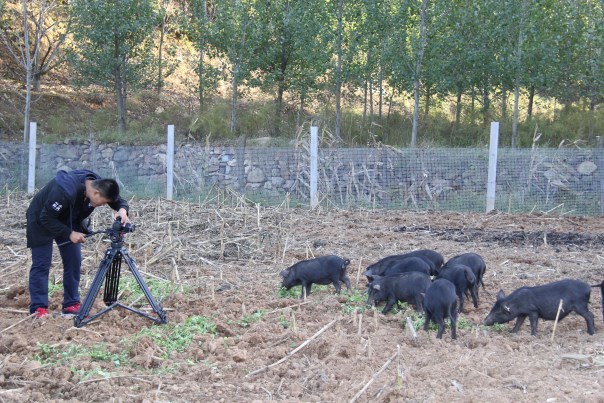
(109, 272)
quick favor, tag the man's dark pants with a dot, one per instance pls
(71, 255)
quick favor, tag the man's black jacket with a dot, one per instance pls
(60, 206)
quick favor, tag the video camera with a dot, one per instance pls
(125, 228)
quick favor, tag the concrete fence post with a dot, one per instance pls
(170, 163)
(492, 175)
(31, 168)
(314, 165)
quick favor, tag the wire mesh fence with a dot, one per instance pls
(453, 179)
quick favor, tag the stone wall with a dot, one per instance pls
(386, 177)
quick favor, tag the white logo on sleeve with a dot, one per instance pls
(56, 206)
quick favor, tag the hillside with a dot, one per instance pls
(63, 112)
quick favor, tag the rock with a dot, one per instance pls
(256, 175)
(587, 168)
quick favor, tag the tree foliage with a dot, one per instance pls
(334, 55)
(113, 46)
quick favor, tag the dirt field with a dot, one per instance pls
(233, 336)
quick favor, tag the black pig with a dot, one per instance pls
(322, 270)
(542, 302)
(407, 265)
(440, 302)
(464, 280)
(474, 261)
(433, 260)
(407, 287)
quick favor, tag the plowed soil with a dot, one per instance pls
(224, 264)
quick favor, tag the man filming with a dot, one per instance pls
(57, 213)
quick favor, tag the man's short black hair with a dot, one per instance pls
(108, 188)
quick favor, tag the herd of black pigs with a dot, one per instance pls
(438, 289)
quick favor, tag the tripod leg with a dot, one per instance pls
(112, 280)
(94, 288)
(156, 306)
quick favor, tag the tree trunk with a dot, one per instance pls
(281, 78)
(486, 105)
(120, 87)
(202, 44)
(370, 106)
(592, 119)
(234, 90)
(381, 81)
(36, 82)
(427, 105)
(458, 108)
(504, 108)
(473, 103)
(28, 69)
(418, 70)
(338, 89)
(160, 62)
(364, 101)
(531, 100)
(518, 69)
(300, 110)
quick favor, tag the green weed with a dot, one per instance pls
(53, 355)
(355, 302)
(249, 319)
(132, 292)
(283, 322)
(177, 337)
(296, 291)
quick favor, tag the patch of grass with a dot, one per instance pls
(418, 322)
(54, 287)
(160, 289)
(252, 318)
(296, 291)
(53, 355)
(355, 302)
(292, 293)
(177, 337)
(283, 322)
(499, 327)
(93, 373)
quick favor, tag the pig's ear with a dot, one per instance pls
(500, 295)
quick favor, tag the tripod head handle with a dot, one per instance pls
(116, 232)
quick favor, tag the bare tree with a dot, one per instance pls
(518, 70)
(36, 45)
(418, 71)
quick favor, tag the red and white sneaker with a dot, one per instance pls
(71, 310)
(41, 313)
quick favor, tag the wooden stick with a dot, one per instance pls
(359, 271)
(374, 377)
(411, 328)
(137, 377)
(13, 310)
(300, 347)
(15, 324)
(287, 307)
(556, 321)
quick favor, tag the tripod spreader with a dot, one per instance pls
(109, 272)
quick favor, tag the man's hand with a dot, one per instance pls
(77, 237)
(122, 215)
